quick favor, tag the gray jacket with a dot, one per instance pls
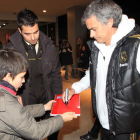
(18, 123)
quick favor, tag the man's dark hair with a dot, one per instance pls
(26, 17)
(11, 62)
(64, 43)
(79, 37)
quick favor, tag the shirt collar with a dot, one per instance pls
(8, 87)
(30, 43)
(36, 45)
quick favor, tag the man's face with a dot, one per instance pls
(79, 40)
(100, 32)
(30, 34)
(83, 48)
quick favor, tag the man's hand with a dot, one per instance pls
(49, 105)
(71, 92)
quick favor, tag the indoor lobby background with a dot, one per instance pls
(62, 20)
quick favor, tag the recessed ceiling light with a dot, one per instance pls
(44, 11)
(4, 24)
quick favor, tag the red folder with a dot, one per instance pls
(60, 107)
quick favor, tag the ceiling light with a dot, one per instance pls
(4, 24)
(44, 11)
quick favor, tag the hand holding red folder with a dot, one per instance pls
(68, 116)
(48, 105)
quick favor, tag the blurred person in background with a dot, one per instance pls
(78, 50)
(66, 59)
(84, 59)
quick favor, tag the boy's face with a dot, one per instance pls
(18, 80)
(30, 34)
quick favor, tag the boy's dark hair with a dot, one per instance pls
(11, 62)
(26, 17)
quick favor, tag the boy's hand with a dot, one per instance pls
(49, 105)
(68, 116)
(71, 92)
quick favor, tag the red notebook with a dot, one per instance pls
(60, 107)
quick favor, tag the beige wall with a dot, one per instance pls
(71, 29)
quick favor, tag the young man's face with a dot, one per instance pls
(18, 80)
(100, 32)
(30, 34)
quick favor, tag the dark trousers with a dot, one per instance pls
(96, 128)
(53, 136)
(106, 135)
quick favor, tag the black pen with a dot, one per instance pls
(66, 96)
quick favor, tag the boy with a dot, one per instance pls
(16, 121)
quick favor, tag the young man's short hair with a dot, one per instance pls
(11, 62)
(26, 17)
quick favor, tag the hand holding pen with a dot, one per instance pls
(70, 94)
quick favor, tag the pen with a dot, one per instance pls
(66, 96)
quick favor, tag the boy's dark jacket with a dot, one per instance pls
(122, 85)
(18, 123)
(50, 66)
